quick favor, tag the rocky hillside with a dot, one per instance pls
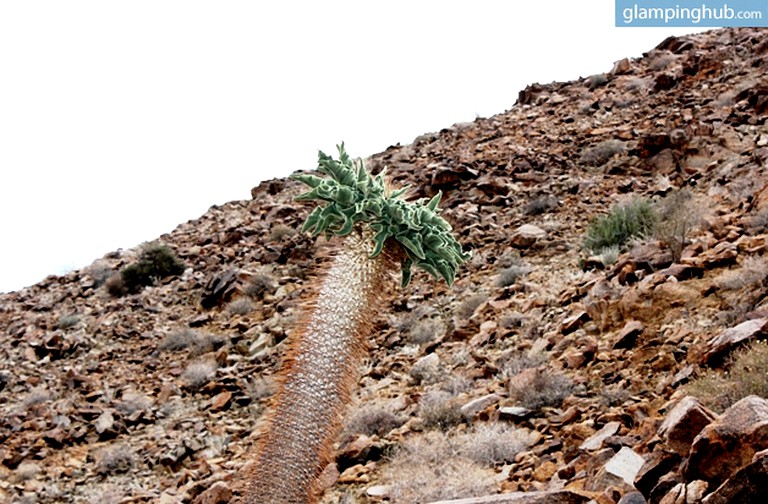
(547, 373)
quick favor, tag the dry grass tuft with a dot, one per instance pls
(747, 375)
(440, 409)
(539, 388)
(373, 420)
(115, 459)
(493, 443)
(198, 373)
(427, 468)
(240, 306)
(467, 307)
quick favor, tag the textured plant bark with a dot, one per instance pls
(320, 371)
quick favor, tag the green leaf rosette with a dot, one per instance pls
(351, 195)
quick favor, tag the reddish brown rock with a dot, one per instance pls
(595, 441)
(747, 485)
(219, 493)
(574, 322)
(729, 339)
(527, 235)
(684, 423)
(729, 443)
(629, 334)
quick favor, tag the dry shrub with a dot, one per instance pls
(240, 306)
(539, 388)
(679, 213)
(754, 271)
(198, 373)
(427, 468)
(493, 443)
(115, 459)
(747, 375)
(440, 409)
(467, 307)
(425, 331)
(373, 420)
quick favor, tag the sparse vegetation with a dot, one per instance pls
(115, 459)
(540, 204)
(68, 321)
(747, 374)
(240, 306)
(467, 307)
(373, 420)
(601, 153)
(440, 409)
(426, 469)
(198, 373)
(678, 214)
(155, 262)
(634, 219)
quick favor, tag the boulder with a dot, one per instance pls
(728, 444)
(595, 441)
(628, 335)
(684, 423)
(526, 235)
(729, 339)
(749, 484)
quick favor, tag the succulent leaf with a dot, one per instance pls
(352, 195)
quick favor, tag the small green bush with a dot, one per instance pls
(634, 219)
(155, 262)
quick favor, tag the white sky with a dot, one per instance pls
(121, 120)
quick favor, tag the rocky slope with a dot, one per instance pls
(569, 369)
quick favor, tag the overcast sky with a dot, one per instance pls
(120, 120)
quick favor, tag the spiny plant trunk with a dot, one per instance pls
(320, 370)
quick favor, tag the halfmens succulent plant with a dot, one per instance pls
(380, 231)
